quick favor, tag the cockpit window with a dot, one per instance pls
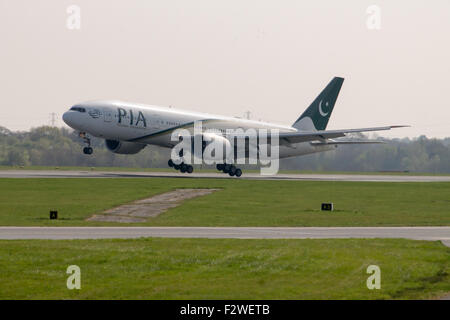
(79, 109)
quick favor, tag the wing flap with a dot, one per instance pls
(333, 142)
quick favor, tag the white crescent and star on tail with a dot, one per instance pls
(323, 114)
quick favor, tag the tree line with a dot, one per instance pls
(50, 146)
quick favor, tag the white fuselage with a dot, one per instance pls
(146, 124)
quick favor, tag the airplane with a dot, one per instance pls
(128, 127)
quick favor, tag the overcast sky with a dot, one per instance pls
(271, 58)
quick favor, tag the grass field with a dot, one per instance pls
(158, 268)
(238, 203)
(223, 269)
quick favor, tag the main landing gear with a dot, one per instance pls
(87, 140)
(230, 169)
(183, 167)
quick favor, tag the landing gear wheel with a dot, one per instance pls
(220, 166)
(226, 168)
(183, 168)
(176, 166)
(88, 150)
(170, 163)
(231, 173)
(238, 172)
(232, 170)
(190, 169)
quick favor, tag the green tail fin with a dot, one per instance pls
(318, 113)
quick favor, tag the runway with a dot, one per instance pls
(57, 233)
(252, 176)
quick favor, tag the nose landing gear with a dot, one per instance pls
(87, 140)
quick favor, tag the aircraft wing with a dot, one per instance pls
(322, 135)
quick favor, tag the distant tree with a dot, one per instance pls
(4, 131)
(17, 157)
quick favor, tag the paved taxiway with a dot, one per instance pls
(415, 233)
(255, 176)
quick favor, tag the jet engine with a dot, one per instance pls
(124, 147)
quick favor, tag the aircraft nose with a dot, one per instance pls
(68, 118)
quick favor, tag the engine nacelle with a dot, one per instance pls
(123, 147)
